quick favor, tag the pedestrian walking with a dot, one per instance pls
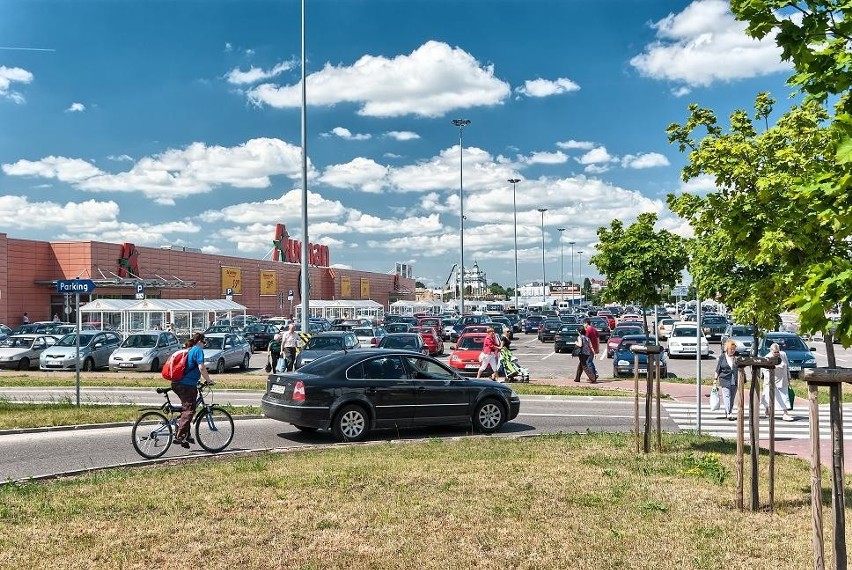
(290, 342)
(25, 319)
(273, 351)
(55, 317)
(780, 391)
(583, 352)
(725, 378)
(594, 340)
(488, 357)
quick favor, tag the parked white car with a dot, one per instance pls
(145, 350)
(22, 351)
(683, 340)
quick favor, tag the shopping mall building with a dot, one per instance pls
(29, 271)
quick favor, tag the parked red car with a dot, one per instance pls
(432, 339)
(465, 356)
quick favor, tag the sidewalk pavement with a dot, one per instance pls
(686, 393)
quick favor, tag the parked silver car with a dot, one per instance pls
(144, 350)
(223, 351)
(22, 351)
(743, 335)
(95, 350)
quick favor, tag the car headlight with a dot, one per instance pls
(455, 358)
(512, 394)
(623, 363)
(674, 344)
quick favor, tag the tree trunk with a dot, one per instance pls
(828, 337)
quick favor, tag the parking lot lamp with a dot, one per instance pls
(561, 266)
(543, 274)
(461, 124)
(580, 269)
(571, 243)
(513, 182)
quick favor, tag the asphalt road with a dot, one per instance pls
(54, 452)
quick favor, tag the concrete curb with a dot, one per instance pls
(47, 429)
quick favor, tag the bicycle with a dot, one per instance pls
(155, 428)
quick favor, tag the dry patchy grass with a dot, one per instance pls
(564, 501)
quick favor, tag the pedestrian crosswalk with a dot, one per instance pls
(685, 416)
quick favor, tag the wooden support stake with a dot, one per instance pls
(636, 401)
(837, 494)
(816, 478)
(659, 421)
(770, 411)
(754, 441)
(740, 436)
(649, 392)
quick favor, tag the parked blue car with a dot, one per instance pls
(798, 353)
(622, 358)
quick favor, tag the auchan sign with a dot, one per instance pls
(290, 250)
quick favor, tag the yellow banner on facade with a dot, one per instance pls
(232, 278)
(268, 283)
(365, 288)
(345, 287)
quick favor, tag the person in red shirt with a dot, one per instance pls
(594, 339)
(490, 350)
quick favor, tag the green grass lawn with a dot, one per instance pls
(560, 501)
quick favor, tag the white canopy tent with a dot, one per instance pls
(411, 307)
(343, 309)
(187, 315)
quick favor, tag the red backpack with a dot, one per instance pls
(175, 366)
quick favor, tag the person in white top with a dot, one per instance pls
(782, 384)
(289, 342)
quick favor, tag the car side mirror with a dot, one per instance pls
(813, 348)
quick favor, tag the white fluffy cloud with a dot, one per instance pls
(76, 108)
(702, 184)
(254, 74)
(430, 81)
(361, 173)
(704, 44)
(177, 173)
(402, 135)
(644, 160)
(597, 155)
(572, 144)
(546, 87)
(346, 134)
(9, 75)
(557, 157)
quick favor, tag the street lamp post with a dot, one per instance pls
(572, 271)
(513, 182)
(561, 266)
(543, 274)
(580, 268)
(461, 124)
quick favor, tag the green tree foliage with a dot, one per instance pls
(768, 239)
(419, 284)
(497, 290)
(814, 36)
(638, 262)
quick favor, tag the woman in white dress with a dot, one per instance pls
(782, 384)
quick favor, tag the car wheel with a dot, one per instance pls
(245, 363)
(306, 429)
(155, 365)
(220, 366)
(351, 423)
(24, 364)
(88, 365)
(488, 416)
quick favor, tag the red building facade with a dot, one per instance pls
(29, 270)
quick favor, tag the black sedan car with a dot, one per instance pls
(548, 328)
(352, 393)
(623, 358)
(404, 341)
(565, 339)
(259, 335)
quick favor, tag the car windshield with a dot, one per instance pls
(140, 341)
(742, 331)
(255, 328)
(788, 343)
(552, 324)
(16, 342)
(399, 342)
(622, 331)
(325, 343)
(470, 343)
(71, 339)
(363, 332)
(685, 331)
(713, 320)
(213, 342)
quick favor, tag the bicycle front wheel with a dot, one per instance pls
(214, 429)
(152, 435)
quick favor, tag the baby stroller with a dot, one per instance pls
(514, 372)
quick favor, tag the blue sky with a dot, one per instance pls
(178, 122)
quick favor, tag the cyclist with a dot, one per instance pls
(187, 387)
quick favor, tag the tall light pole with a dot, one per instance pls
(514, 181)
(543, 275)
(305, 284)
(561, 266)
(572, 272)
(580, 263)
(461, 124)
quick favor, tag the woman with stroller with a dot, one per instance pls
(490, 352)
